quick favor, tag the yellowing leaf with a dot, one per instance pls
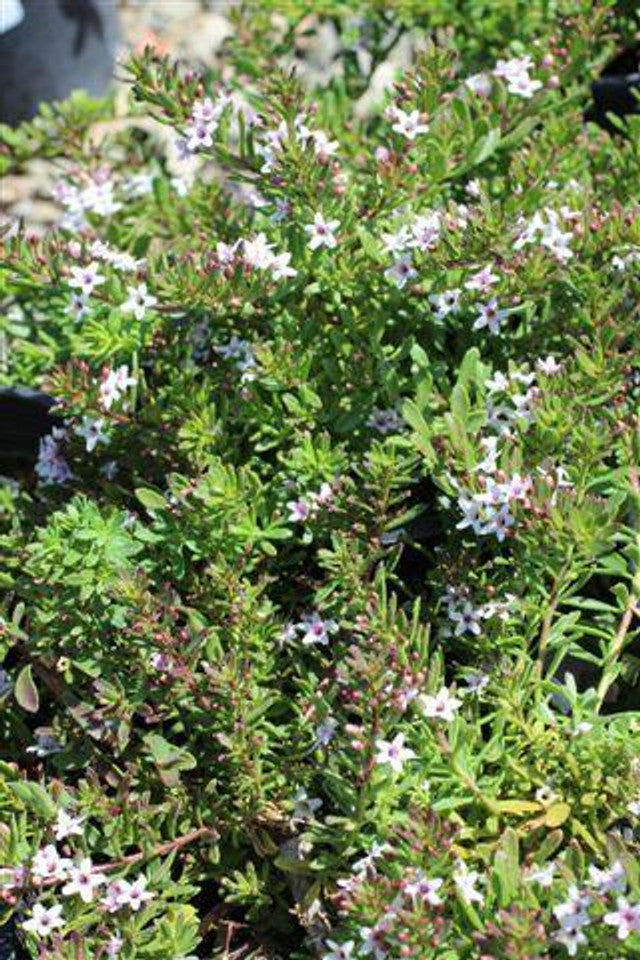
(516, 806)
(557, 814)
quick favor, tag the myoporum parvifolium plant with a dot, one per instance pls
(319, 635)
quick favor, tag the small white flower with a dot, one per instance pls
(326, 731)
(138, 185)
(408, 124)
(634, 808)
(479, 83)
(111, 899)
(475, 683)
(499, 523)
(91, 430)
(466, 881)
(498, 384)
(483, 280)
(467, 620)
(323, 147)
(67, 825)
(385, 421)
(443, 706)
(516, 74)
(114, 946)
(490, 462)
(83, 881)
(425, 231)
(367, 863)
(424, 888)
(612, 880)
(490, 316)
(281, 267)
(393, 752)
(299, 510)
(374, 941)
(548, 365)
(396, 243)
(324, 496)
(257, 252)
(133, 895)
(471, 515)
(86, 279)
(401, 271)
(572, 913)
(139, 301)
(339, 951)
(78, 305)
(446, 302)
(512, 68)
(523, 86)
(572, 938)
(226, 252)
(205, 111)
(316, 630)
(44, 920)
(542, 875)
(581, 728)
(113, 385)
(322, 232)
(626, 918)
(49, 865)
(199, 135)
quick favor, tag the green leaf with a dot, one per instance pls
(169, 759)
(506, 868)
(485, 147)
(150, 499)
(33, 796)
(26, 692)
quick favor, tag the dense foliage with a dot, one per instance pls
(320, 617)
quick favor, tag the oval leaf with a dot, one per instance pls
(151, 499)
(557, 814)
(26, 692)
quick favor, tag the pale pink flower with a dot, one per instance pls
(408, 124)
(490, 316)
(83, 881)
(424, 888)
(44, 920)
(139, 301)
(86, 279)
(67, 825)
(322, 232)
(393, 752)
(47, 864)
(626, 918)
(442, 706)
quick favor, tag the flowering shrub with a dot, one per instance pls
(320, 618)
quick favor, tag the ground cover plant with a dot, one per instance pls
(319, 633)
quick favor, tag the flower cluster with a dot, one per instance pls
(515, 73)
(545, 228)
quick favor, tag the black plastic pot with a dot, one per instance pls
(617, 90)
(59, 46)
(24, 419)
(9, 941)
